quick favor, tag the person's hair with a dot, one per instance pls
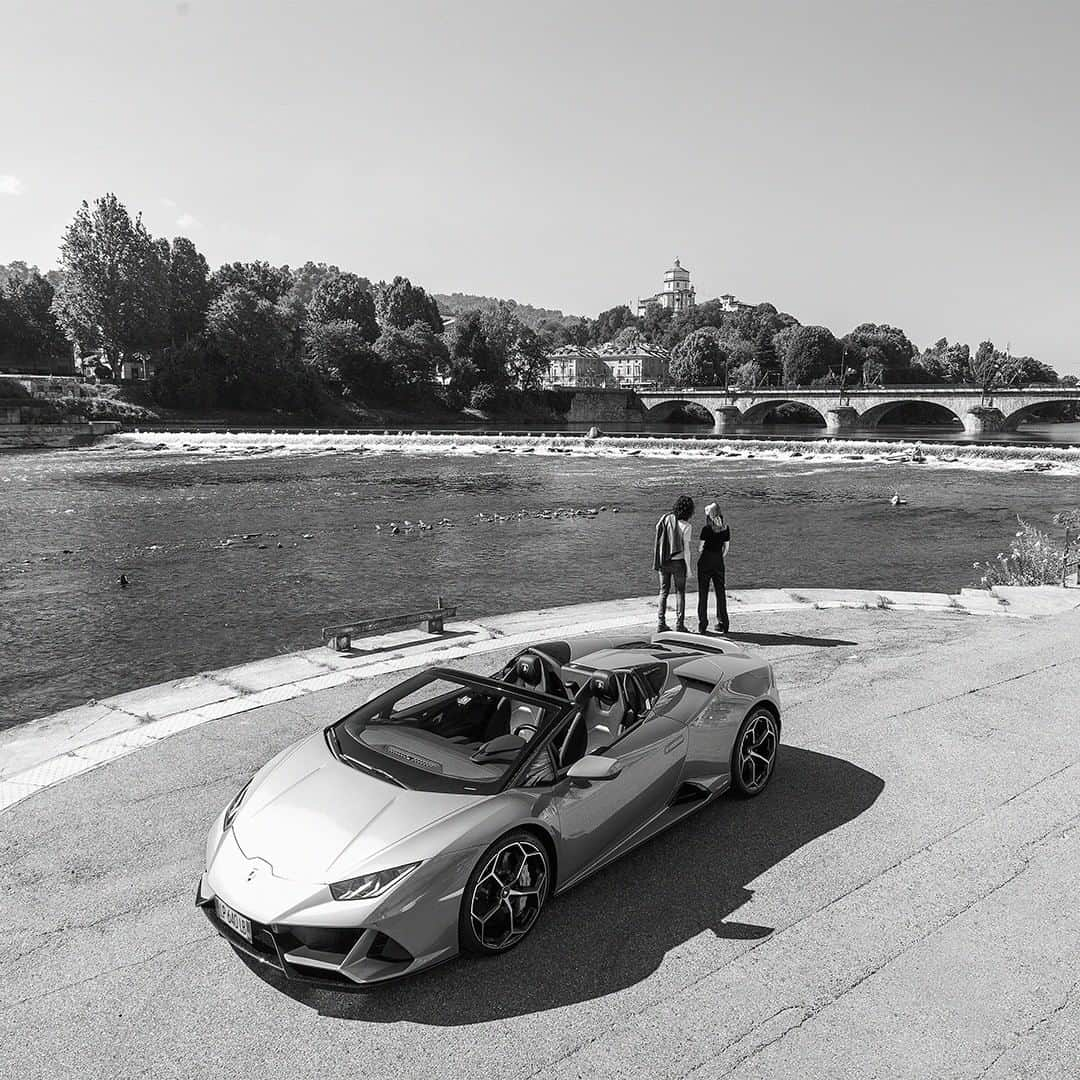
(683, 508)
(717, 514)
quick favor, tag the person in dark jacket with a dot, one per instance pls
(715, 541)
(672, 554)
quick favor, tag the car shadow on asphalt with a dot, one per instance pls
(614, 930)
(788, 639)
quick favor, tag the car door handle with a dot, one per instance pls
(674, 744)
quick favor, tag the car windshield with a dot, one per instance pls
(436, 732)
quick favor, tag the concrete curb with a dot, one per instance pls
(55, 748)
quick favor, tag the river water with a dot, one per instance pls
(238, 547)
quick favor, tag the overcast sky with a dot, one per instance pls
(908, 163)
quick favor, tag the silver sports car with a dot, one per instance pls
(441, 815)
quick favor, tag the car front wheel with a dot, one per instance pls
(505, 894)
(754, 758)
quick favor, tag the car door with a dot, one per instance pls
(597, 816)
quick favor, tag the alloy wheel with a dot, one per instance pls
(509, 894)
(757, 752)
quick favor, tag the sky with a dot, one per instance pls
(906, 163)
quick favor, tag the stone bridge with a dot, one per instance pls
(863, 408)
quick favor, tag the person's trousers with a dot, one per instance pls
(672, 570)
(711, 575)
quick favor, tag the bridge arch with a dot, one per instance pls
(665, 411)
(759, 412)
(879, 414)
(1031, 412)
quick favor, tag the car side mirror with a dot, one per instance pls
(594, 767)
(501, 746)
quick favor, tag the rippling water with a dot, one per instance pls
(173, 516)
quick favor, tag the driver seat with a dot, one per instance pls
(529, 674)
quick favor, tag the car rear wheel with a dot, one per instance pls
(504, 894)
(753, 760)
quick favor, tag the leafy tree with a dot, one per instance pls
(985, 365)
(807, 353)
(943, 361)
(746, 375)
(188, 290)
(413, 356)
(885, 345)
(555, 333)
(339, 351)
(110, 297)
(28, 328)
(399, 304)
(629, 339)
(344, 296)
(483, 397)
(266, 281)
(1024, 370)
(307, 278)
(699, 359)
(17, 271)
(249, 331)
(608, 323)
(656, 321)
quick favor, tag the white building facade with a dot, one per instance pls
(677, 295)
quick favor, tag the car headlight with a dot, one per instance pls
(368, 885)
(234, 806)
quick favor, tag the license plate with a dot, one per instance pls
(233, 919)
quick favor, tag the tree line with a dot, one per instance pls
(756, 344)
(250, 335)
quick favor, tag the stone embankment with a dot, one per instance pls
(43, 752)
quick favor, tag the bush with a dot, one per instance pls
(1032, 559)
(483, 397)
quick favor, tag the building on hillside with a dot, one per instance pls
(729, 303)
(641, 366)
(576, 366)
(677, 295)
(610, 366)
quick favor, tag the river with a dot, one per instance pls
(238, 547)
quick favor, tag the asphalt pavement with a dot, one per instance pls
(901, 902)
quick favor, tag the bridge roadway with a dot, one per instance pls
(859, 408)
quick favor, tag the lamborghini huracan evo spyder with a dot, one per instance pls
(441, 815)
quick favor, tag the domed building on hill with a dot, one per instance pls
(677, 295)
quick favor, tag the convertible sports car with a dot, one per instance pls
(441, 815)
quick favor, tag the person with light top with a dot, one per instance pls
(672, 557)
(714, 543)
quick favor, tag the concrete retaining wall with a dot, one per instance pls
(606, 406)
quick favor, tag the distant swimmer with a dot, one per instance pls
(124, 583)
(896, 500)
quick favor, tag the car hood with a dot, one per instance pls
(315, 819)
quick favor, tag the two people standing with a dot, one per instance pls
(673, 556)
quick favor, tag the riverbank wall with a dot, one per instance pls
(38, 754)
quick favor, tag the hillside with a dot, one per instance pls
(456, 303)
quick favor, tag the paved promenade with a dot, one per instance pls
(900, 903)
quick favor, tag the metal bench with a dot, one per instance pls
(340, 637)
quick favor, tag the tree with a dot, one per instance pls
(341, 354)
(28, 328)
(950, 363)
(189, 291)
(985, 365)
(412, 356)
(807, 353)
(344, 296)
(307, 278)
(249, 331)
(269, 282)
(608, 323)
(629, 339)
(699, 359)
(399, 304)
(656, 321)
(886, 346)
(111, 297)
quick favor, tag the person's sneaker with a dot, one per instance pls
(662, 628)
(703, 629)
(680, 628)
